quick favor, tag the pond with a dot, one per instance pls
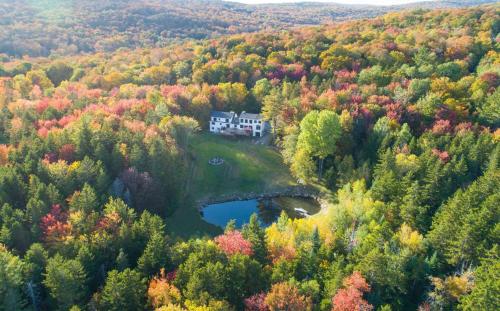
(268, 210)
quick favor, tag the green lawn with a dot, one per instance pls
(248, 168)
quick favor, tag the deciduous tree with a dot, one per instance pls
(284, 296)
(350, 298)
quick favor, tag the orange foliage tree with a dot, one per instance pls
(162, 293)
(285, 296)
(4, 154)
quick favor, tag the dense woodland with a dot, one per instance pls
(67, 27)
(398, 115)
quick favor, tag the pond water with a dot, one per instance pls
(268, 210)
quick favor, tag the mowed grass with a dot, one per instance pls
(247, 168)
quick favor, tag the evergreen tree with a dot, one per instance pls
(464, 228)
(36, 260)
(123, 291)
(122, 261)
(66, 281)
(254, 233)
(271, 108)
(155, 255)
(485, 294)
(12, 281)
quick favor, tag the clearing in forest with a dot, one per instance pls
(248, 167)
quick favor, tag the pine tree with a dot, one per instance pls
(123, 291)
(66, 281)
(271, 108)
(122, 260)
(254, 233)
(155, 255)
(464, 227)
(485, 294)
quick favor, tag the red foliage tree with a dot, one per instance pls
(50, 157)
(295, 71)
(233, 242)
(492, 79)
(43, 132)
(256, 302)
(444, 156)
(345, 75)
(441, 127)
(42, 105)
(54, 225)
(67, 153)
(350, 298)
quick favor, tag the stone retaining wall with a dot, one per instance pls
(294, 192)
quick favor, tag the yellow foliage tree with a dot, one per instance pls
(163, 294)
(410, 238)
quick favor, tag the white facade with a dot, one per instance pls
(251, 122)
(219, 124)
(245, 124)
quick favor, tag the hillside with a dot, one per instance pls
(104, 156)
(248, 168)
(60, 27)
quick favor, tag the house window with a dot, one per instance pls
(213, 119)
(258, 121)
(212, 128)
(251, 121)
(213, 123)
(227, 120)
(241, 126)
(258, 127)
(241, 120)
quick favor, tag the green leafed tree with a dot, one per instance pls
(485, 294)
(490, 109)
(12, 280)
(271, 107)
(58, 72)
(65, 280)
(256, 235)
(467, 225)
(155, 255)
(123, 291)
(319, 132)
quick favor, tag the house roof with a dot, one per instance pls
(254, 116)
(222, 114)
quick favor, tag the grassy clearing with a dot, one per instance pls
(247, 168)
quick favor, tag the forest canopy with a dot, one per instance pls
(68, 27)
(397, 116)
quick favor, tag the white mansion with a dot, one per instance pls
(249, 124)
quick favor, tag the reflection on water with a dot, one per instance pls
(268, 210)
